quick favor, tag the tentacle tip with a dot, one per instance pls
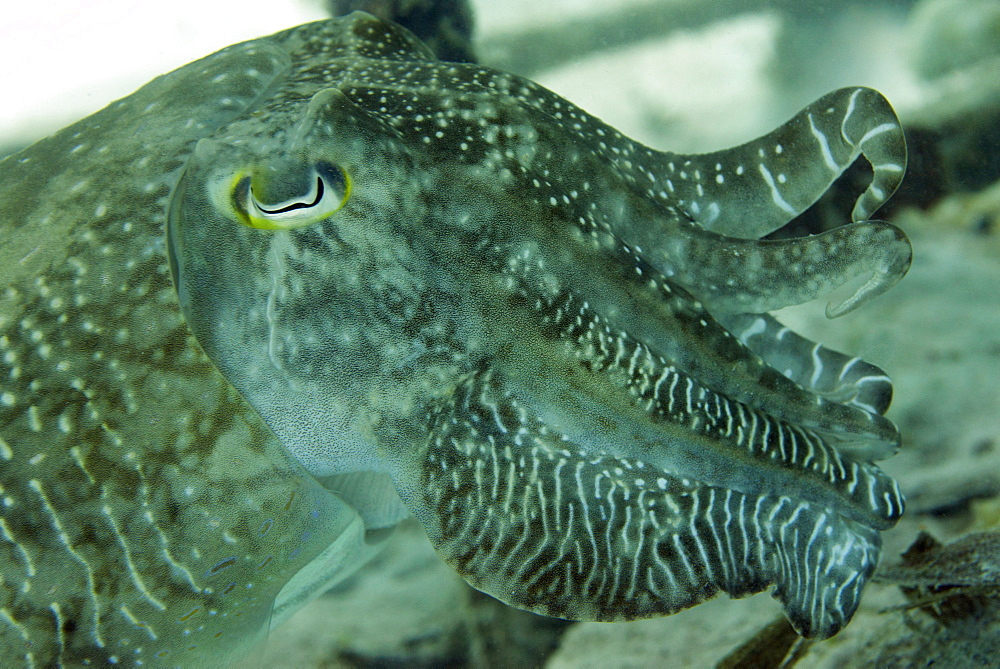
(875, 286)
(838, 310)
(896, 263)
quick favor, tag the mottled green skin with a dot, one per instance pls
(146, 512)
(549, 339)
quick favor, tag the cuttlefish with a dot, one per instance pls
(272, 303)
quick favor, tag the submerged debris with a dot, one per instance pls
(775, 646)
(957, 583)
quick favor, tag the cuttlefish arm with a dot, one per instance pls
(761, 367)
(734, 275)
(634, 459)
(729, 198)
(545, 523)
(753, 189)
(818, 369)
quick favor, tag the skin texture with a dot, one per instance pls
(147, 514)
(428, 284)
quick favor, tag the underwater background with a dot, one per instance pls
(689, 75)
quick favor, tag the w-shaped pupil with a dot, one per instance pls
(295, 205)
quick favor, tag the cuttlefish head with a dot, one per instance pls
(280, 230)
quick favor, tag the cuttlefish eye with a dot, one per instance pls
(283, 196)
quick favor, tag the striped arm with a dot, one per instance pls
(532, 519)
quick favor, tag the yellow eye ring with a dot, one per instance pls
(323, 191)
